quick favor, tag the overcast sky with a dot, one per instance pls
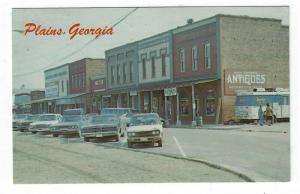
(36, 53)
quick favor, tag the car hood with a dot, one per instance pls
(44, 123)
(144, 128)
(66, 124)
(99, 125)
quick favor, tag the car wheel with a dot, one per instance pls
(86, 139)
(34, 132)
(55, 135)
(129, 144)
(117, 138)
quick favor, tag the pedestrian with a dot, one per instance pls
(261, 116)
(269, 114)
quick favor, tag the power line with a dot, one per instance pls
(76, 51)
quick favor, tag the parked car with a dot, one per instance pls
(123, 113)
(70, 125)
(144, 128)
(17, 118)
(44, 123)
(23, 125)
(101, 126)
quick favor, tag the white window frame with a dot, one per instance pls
(182, 60)
(194, 58)
(207, 56)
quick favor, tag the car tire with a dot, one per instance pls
(129, 145)
(86, 139)
(55, 135)
(34, 132)
(117, 138)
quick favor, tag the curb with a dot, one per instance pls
(216, 166)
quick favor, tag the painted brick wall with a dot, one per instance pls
(254, 44)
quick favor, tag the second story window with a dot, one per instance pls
(112, 75)
(144, 68)
(153, 66)
(62, 86)
(83, 79)
(124, 73)
(163, 65)
(207, 56)
(182, 60)
(118, 74)
(130, 71)
(194, 58)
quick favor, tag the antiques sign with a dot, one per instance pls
(243, 80)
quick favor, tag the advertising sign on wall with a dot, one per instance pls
(243, 80)
(51, 90)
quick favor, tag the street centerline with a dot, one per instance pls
(179, 147)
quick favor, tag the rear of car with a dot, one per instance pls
(145, 128)
(24, 125)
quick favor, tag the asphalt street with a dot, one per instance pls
(261, 153)
(44, 159)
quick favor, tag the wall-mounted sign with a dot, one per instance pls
(170, 91)
(243, 80)
(51, 91)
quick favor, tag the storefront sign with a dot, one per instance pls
(243, 80)
(51, 91)
(170, 91)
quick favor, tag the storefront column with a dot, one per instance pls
(193, 105)
(139, 101)
(128, 100)
(178, 122)
(166, 112)
(151, 98)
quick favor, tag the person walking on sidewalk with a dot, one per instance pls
(261, 116)
(269, 114)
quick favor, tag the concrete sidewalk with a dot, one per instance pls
(276, 128)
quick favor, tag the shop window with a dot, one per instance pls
(207, 55)
(155, 104)
(210, 104)
(184, 106)
(194, 58)
(182, 60)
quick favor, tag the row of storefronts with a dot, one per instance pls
(190, 71)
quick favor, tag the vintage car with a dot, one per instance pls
(101, 126)
(144, 128)
(124, 115)
(44, 123)
(23, 125)
(17, 118)
(70, 125)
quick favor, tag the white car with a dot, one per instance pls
(44, 123)
(144, 128)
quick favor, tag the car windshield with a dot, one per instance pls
(116, 111)
(144, 120)
(47, 118)
(104, 119)
(71, 118)
(32, 118)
